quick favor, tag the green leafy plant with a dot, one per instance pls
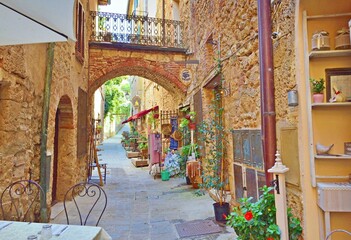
(189, 118)
(317, 86)
(191, 115)
(183, 123)
(257, 221)
(142, 145)
(213, 136)
(152, 121)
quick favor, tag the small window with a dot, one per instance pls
(80, 32)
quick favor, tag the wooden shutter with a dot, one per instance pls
(82, 131)
(249, 173)
(197, 98)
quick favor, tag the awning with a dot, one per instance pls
(140, 114)
(36, 21)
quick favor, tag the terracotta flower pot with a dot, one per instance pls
(318, 97)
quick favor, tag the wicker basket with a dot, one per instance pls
(320, 41)
(342, 39)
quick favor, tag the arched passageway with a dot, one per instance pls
(160, 67)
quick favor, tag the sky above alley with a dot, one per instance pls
(116, 6)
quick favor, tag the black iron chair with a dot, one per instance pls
(85, 201)
(20, 201)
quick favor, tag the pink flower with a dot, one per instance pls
(248, 216)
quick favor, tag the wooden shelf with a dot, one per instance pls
(335, 104)
(330, 53)
(342, 156)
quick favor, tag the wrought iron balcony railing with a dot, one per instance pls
(133, 29)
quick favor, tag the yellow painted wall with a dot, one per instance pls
(328, 123)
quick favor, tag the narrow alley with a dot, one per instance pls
(141, 207)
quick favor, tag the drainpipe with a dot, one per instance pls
(267, 86)
(44, 164)
(163, 23)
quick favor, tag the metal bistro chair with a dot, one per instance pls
(20, 201)
(337, 230)
(89, 198)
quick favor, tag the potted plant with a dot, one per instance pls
(191, 118)
(188, 121)
(183, 123)
(257, 221)
(214, 163)
(153, 121)
(317, 90)
(187, 153)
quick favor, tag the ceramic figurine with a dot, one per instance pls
(323, 150)
(338, 96)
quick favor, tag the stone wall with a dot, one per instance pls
(20, 114)
(229, 30)
(157, 95)
(22, 79)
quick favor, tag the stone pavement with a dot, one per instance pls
(141, 207)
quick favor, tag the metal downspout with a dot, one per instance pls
(163, 23)
(44, 129)
(267, 86)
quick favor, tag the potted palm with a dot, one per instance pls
(317, 90)
(214, 163)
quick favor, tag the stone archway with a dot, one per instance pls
(156, 66)
(64, 150)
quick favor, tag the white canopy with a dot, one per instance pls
(36, 21)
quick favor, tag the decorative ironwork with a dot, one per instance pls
(136, 29)
(85, 192)
(20, 201)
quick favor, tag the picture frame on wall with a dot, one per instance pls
(341, 79)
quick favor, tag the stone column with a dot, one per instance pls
(279, 171)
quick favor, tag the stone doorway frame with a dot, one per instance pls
(63, 164)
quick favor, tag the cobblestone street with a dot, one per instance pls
(141, 207)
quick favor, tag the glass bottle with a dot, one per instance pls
(46, 232)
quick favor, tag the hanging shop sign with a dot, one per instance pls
(185, 75)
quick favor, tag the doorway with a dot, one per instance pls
(64, 162)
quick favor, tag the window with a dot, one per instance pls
(80, 32)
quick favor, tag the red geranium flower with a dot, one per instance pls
(248, 216)
(270, 238)
(224, 216)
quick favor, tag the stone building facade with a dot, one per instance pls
(228, 30)
(22, 80)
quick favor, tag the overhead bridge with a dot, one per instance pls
(143, 46)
